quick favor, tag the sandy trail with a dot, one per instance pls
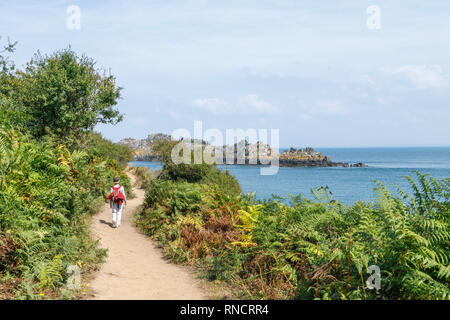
(135, 267)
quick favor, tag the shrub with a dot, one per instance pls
(307, 249)
(48, 187)
(45, 196)
(64, 94)
(145, 176)
(202, 173)
(100, 147)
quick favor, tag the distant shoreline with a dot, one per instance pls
(334, 164)
(243, 153)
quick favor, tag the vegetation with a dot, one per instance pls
(54, 171)
(304, 249)
(63, 94)
(194, 173)
(98, 146)
(144, 176)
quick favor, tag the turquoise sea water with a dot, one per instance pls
(387, 165)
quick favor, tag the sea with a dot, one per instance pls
(387, 165)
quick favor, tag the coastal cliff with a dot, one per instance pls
(243, 153)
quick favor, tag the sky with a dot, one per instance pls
(316, 70)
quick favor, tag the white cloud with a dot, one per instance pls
(212, 105)
(250, 103)
(421, 76)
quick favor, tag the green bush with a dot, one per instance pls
(46, 194)
(202, 173)
(307, 249)
(64, 94)
(48, 187)
(100, 147)
(145, 176)
(224, 180)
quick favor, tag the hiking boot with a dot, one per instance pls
(114, 225)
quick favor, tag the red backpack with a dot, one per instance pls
(116, 195)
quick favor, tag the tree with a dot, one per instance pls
(10, 115)
(6, 64)
(100, 147)
(65, 95)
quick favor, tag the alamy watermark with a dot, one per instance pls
(374, 281)
(74, 280)
(74, 18)
(374, 20)
(250, 146)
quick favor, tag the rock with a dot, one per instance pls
(359, 165)
(243, 150)
(144, 147)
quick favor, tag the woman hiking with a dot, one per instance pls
(117, 199)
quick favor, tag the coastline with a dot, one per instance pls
(348, 185)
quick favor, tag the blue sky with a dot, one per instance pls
(310, 68)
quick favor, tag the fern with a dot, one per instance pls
(301, 250)
(51, 274)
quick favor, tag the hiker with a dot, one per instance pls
(117, 199)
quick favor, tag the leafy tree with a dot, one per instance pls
(195, 173)
(163, 149)
(11, 116)
(6, 64)
(103, 148)
(65, 95)
(46, 190)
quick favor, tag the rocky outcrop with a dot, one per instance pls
(143, 148)
(359, 165)
(308, 157)
(242, 152)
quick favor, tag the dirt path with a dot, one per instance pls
(135, 267)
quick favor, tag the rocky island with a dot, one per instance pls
(308, 157)
(243, 152)
(143, 148)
